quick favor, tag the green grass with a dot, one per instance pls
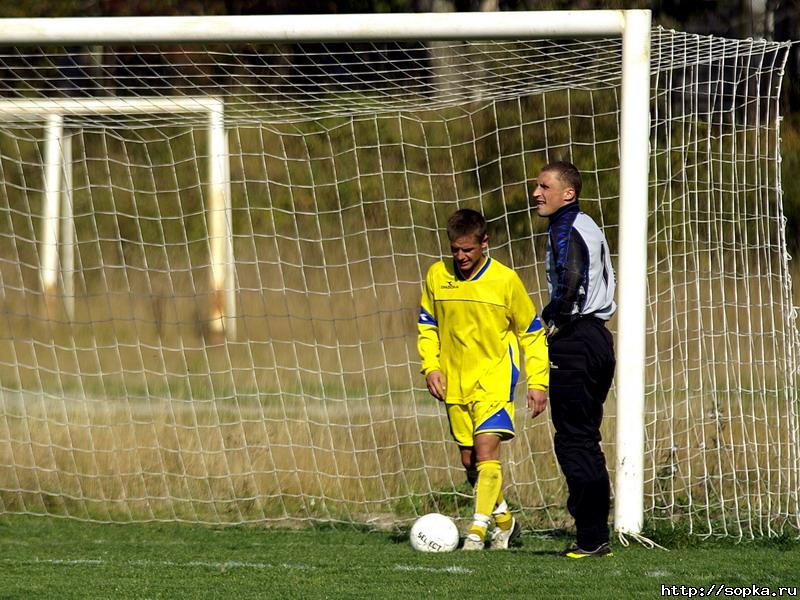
(48, 558)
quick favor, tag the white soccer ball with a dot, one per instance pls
(434, 532)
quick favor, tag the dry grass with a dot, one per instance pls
(253, 461)
(376, 460)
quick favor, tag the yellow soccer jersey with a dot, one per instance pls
(472, 329)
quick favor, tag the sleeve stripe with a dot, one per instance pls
(426, 318)
(535, 325)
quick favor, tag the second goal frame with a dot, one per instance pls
(58, 185)
(634, 28)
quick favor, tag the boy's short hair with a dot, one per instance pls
(568, 174)
(466, 222)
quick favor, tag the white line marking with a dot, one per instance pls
(459, 570)
(228, 564)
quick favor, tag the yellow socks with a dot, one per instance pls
(490, 483)
(488, 491)
(502, 516)
(487, 479)
(480, 523)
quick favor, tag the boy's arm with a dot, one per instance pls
(428, 343)
(532, 340)
(428, 331)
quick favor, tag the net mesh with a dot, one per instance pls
(122, 398)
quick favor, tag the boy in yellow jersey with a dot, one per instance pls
(475, 316)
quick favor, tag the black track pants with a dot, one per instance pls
(581, 370)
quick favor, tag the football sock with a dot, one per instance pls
(489, 486)
(501, 508)
(480, 523)
(502, 516)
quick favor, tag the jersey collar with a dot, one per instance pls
(476, 275)
(565, 210)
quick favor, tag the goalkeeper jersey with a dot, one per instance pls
(472, 330)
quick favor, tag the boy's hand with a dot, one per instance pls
(436, 385)
(537, 401)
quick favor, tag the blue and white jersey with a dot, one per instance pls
(580, 277)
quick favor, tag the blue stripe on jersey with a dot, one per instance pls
(426, 318)
(460, 275)
(514, 374)
(499, 421)
(483, 270)
(535, 325)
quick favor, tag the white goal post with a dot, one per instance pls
(295, 171)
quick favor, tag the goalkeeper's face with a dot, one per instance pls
(468, 253)
(550, 194)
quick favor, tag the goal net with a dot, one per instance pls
(219, 325)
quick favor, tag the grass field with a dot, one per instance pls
(48, 558)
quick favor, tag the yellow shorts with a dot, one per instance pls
(474, 418)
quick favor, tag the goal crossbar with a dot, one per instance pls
(317, 28)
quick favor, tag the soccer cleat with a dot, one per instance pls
(473, 542)
(571, 548)
(502, 538)
(575, 551)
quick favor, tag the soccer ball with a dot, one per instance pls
(434, 532)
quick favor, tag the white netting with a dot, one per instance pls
(120, 400)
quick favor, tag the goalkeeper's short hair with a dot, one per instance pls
(568, 174)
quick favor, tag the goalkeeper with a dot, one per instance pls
(581, 282)
(475, 315)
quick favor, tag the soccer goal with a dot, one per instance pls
(213, 232)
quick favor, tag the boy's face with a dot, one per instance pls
(468, 253)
